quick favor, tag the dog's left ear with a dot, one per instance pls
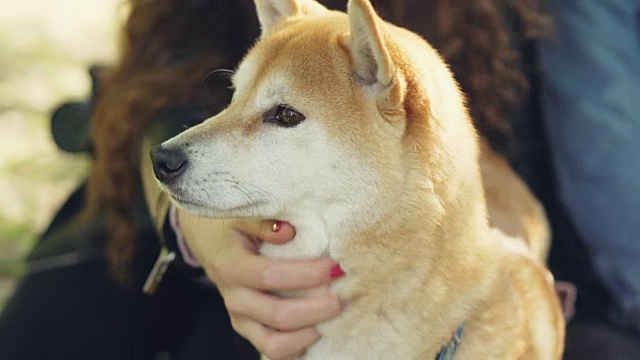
(271, 12)
(371, 59)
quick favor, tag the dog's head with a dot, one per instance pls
(333, 113)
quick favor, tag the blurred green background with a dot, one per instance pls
(45, 48)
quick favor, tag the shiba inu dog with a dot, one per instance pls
(354, 130)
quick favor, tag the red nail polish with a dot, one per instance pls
(336, 272)
(277, 225)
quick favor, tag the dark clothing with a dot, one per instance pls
(79, 312)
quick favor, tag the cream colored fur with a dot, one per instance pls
(384, 177)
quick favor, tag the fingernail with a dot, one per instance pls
(277, 225)
(336, 272)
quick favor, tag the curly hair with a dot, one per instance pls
(168, 47)
(474, 38)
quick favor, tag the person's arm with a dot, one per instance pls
(591, 82)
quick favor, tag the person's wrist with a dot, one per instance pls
(182, 246)
(185, 252)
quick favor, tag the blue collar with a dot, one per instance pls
(447, 351)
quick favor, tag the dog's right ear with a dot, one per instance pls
(271, 12)
(371, 58)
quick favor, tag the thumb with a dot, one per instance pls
(271, 231)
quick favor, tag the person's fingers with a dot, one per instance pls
(282, 314)
(261, 273)
(272, 231)
(275, 345)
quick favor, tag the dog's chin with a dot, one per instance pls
(249, 210)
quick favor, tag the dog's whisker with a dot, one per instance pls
(246, 194)
(261, 192)
(227, 72)
(253, 201)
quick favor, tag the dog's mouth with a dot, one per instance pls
(184, 202)
(249, 208)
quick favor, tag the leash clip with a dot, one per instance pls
(156, 275)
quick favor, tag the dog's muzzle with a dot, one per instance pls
(168, 163)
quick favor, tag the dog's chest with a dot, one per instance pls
(374, 335)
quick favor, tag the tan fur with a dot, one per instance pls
(412, 234)
(511, 206)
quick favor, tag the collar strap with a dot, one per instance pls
(447, 351)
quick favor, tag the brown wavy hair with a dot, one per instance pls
(169, 46)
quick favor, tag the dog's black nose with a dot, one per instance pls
(168, 164)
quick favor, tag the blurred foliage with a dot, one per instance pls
(45, 49)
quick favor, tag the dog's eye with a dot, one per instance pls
(284, 115)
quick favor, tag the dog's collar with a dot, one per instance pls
(447, 351)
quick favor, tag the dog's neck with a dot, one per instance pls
(432, 213)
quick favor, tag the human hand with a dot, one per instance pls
(279, 328)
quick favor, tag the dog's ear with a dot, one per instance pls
(371, 60)
(271, 12)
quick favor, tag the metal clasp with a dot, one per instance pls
(156, 275)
